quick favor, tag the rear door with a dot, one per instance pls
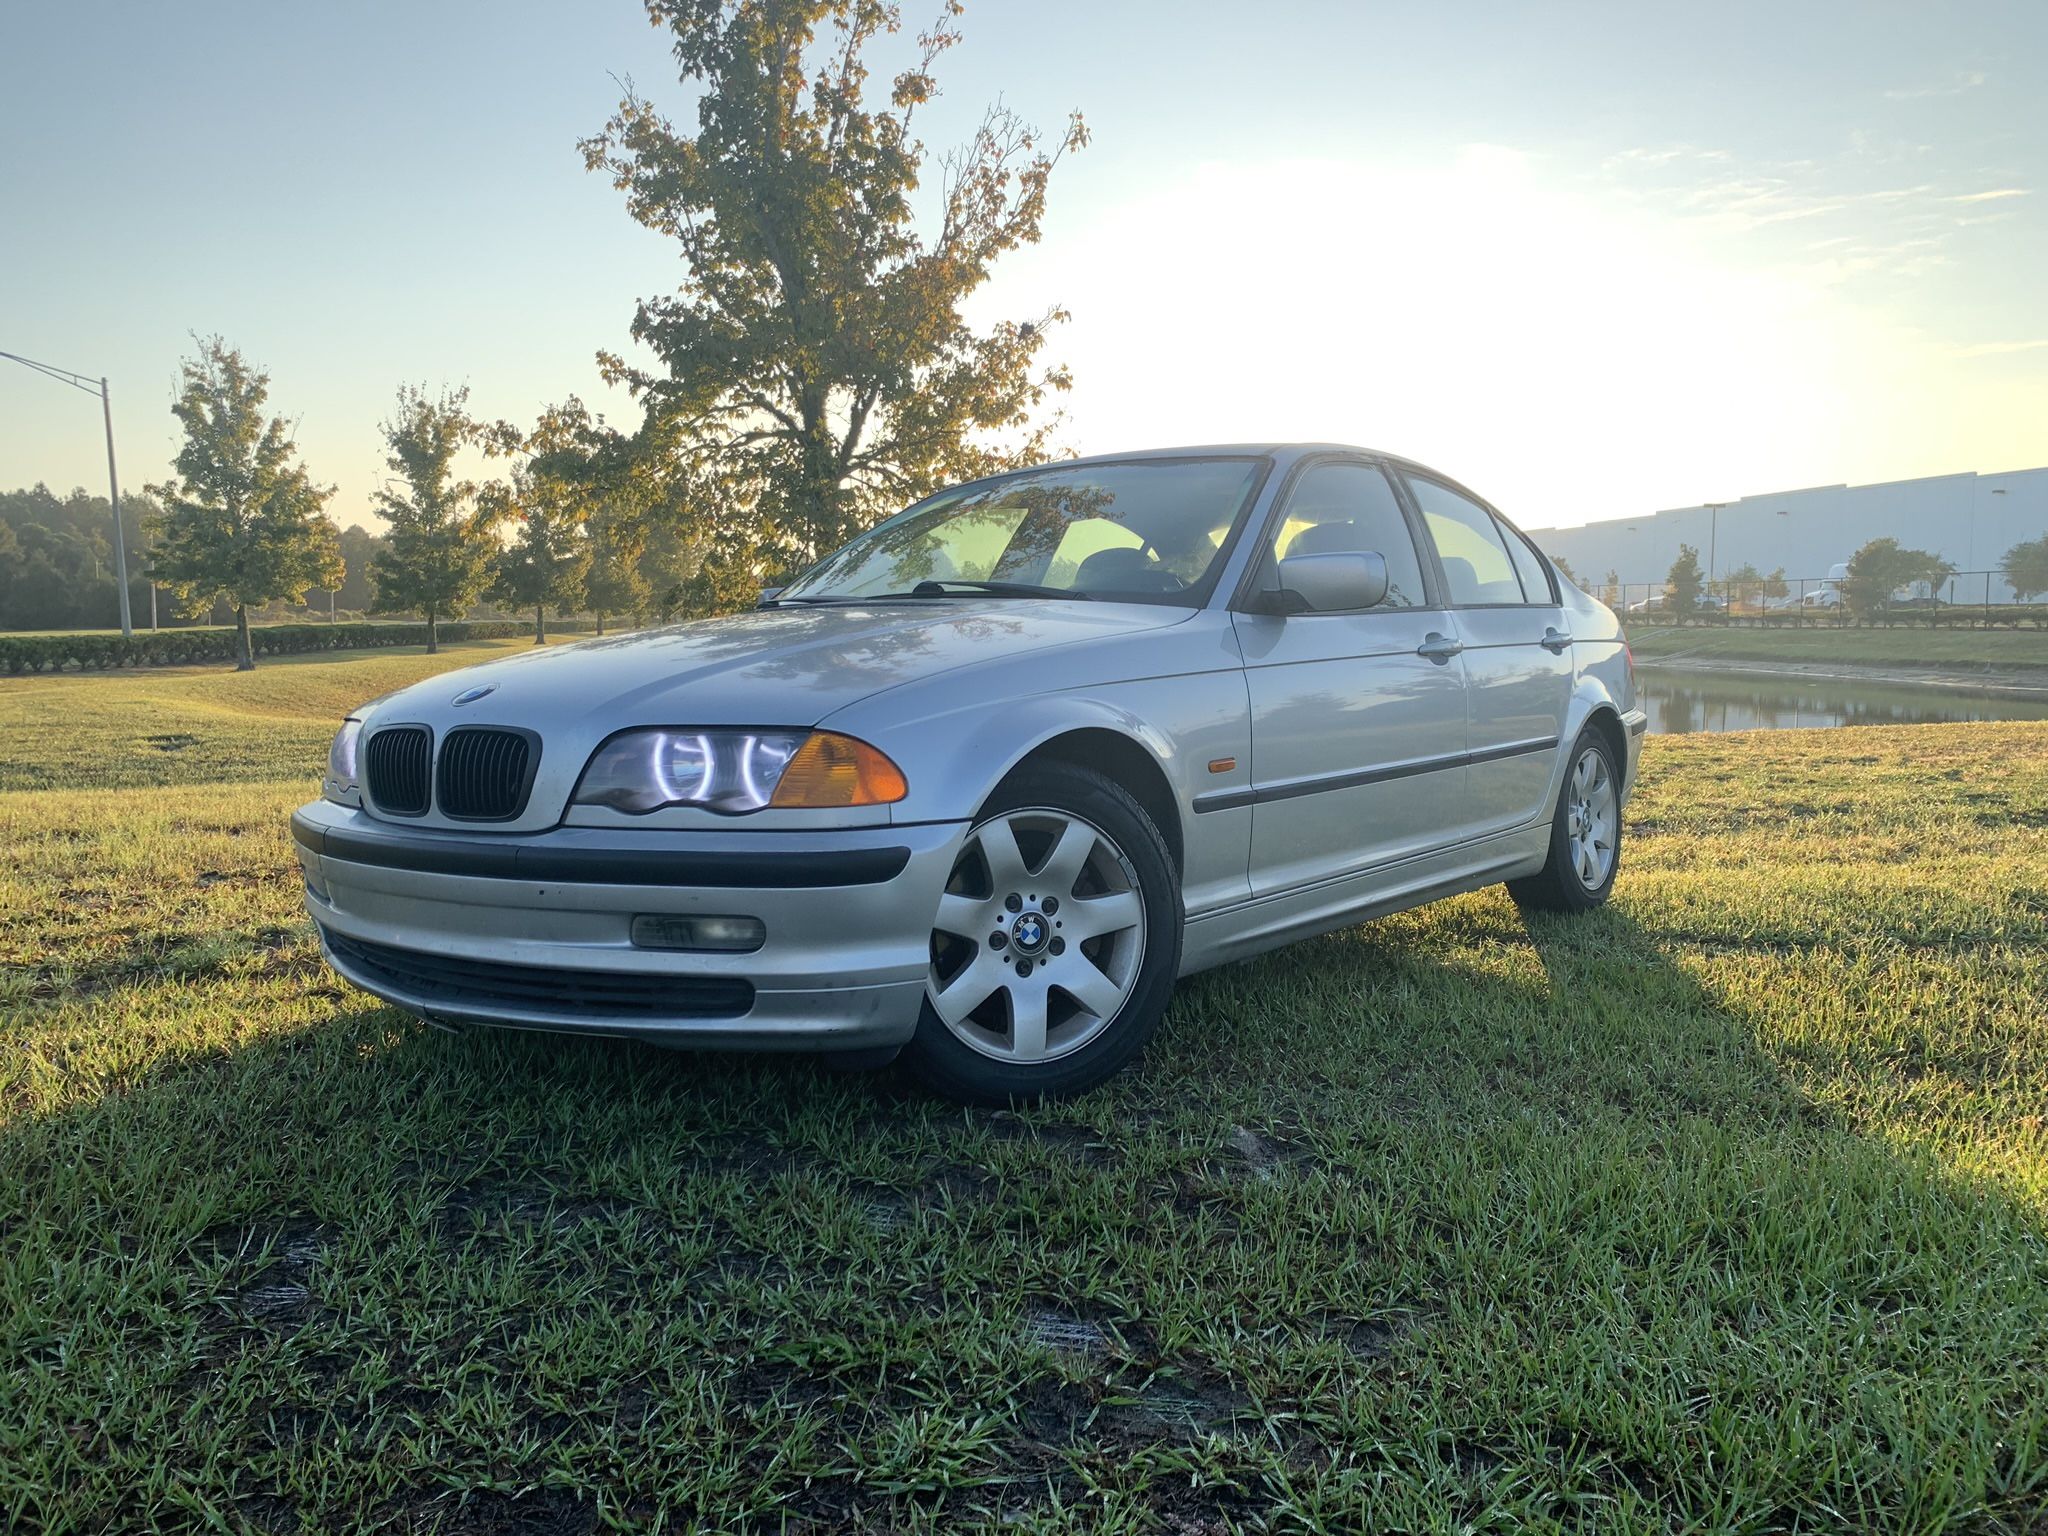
(1358, 719)
(1517, 656)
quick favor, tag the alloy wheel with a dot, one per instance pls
(1040, 936)
(1591, 819)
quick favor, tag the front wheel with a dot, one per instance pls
(1055, 945)
(1585, 834)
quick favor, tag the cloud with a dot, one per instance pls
(1644, 156)
(2002, 348)
(1967, 80)
(1842, 220)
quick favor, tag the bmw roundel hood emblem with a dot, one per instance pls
(471, 695)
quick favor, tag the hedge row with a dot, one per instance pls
(92, 651)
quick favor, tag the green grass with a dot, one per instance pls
(1725, 1208)
(189, 725)
(2006, 649)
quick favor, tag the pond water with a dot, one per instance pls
(1678, 702)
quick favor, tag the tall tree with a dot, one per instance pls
(816, 356)
(442, 548)
(2026, 567)
(1884, 567)
(241, 519)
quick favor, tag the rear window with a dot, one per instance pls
(1477, 569)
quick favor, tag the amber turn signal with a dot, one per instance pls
(830, 770)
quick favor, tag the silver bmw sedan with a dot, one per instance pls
(981, 785)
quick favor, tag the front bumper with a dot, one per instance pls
(533, 930)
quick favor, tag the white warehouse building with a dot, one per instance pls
(1970, 520)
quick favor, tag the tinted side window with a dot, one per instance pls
(1468, 543)
(1337, 508)
(1528, 566)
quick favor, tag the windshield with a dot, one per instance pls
(1142, 531)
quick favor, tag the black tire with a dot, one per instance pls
(951, 1067)
(1558, 886)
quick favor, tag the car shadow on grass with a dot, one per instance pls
(1457, 1217)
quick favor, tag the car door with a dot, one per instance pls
(1358, 718)
(1517, 654)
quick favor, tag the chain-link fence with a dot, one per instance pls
(1968, 599)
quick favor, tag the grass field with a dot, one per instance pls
(1725, 1208)
(2005, 649)
(191, 725)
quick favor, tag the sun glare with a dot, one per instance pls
(1564, 353)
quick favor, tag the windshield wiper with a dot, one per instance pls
(995, 589)
(835, 602)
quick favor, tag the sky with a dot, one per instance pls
(1591, 259)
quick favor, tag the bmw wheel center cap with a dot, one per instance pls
(1028, 933)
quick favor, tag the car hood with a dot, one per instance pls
(781, 666)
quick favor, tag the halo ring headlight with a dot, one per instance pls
(736, 772)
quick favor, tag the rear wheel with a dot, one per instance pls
(1055, 945)
(1585, 834)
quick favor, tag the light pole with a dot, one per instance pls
(1713, 535)
(80, 381)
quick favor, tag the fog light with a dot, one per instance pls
(723, 935)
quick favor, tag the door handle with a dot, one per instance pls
(1438, 647)
(1553, 642)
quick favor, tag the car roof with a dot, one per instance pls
(1219, 450)
(1278, 450)
(1282, 451)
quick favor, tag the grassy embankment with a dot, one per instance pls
(193, 725)
(1960, 649)
(1725, 1208)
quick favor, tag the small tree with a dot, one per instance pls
(2026, 567)
(613, 584)
(545, 564)
(1610, 588)
(1883, 567)
(817, 356)
(1563, 565)
(1684, 583)
(1743, 584)
(692, 577)
(442, 548)
(241, 519)
(667, 561)
(358, 588)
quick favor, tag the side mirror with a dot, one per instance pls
(1334, 583)
(768, 595)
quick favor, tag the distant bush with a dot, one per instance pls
(93, 651)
